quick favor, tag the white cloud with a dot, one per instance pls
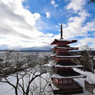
(87, 40)
(76, 5)
(18, 26)
(48, 14)
(77, 26)
(74, 26)
(54, 4)
(37, 16)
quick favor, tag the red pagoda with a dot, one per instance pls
(64, 76)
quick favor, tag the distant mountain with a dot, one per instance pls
(38, 48)
(32, 49)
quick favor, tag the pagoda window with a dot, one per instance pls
(65, 81)
(61, 50)
(62, 59)
(70, 81)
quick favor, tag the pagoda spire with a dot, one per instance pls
(61, 30)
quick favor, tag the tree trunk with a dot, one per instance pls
(16, 92)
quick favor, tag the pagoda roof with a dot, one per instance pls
(70, 66)
(57, 76)
(62, 40)
(63, 56)
(67, 48)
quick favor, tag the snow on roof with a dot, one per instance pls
(66, 56)
(90, 81)
(66, 40)
(47, 65)
(74, 66)
(90, 76)
(56, 76)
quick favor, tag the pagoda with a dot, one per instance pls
(64, 74)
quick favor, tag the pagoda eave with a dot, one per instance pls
(62, 40)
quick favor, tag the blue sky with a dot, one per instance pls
(36, 23)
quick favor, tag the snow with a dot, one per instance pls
(73, 66)
(63, 77)
(67, 56)
(38, 84)
(90, 76)
(65, 40)
(6, 89)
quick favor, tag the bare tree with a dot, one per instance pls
(25, 71)
(86, 58)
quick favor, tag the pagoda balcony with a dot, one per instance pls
(62, 82)
(64, 58)
(61, 52)
(73, 88)
(57, 59)
(66, 85)
(67, 63)
(67, 72)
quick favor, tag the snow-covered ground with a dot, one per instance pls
(6, 89)
(38, 87)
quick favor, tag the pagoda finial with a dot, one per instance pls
(61, 32)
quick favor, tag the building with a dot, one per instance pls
(64, 76)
